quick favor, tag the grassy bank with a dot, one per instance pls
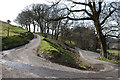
(17, 36)
(105, 59)
(114, 54)
(60, 54)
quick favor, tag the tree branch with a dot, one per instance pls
(88, 13)
(76, 10)
(111, 31)
(100, 4)
(113, 36)
(107, 17)
(78, 3)
(94, 6)
(70, 18)
(87, 18)
(91, 7)
(80, 11)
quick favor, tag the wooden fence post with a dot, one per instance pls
(8, 31)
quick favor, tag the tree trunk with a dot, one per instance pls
(37, 28)
(47, 30)
(29, 28)
(41, 28)
(55, 34)
(101, 39)
(58, 32)
(26, 27)
(34, 27)
(52, 33)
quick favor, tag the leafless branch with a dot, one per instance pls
(111, 31)
(78, 2)
(100, 4)
(87, 18)
(107, 16)
(70, 18)
(54, 4)
(112, 36)
(81, 11)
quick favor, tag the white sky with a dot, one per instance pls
(9, 9)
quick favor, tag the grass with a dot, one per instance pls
(17, 36)
(114, 52)
(105, 59)
(58, 54)
(70, 42)
(13, 30)
(45, 46)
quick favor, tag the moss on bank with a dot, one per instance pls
(56, 53)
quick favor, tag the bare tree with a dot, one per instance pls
(39, 12)
(93, 11)
(25, 19)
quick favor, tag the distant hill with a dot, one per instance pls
(113, 43)
(3, 22)
(112, 40)
(17, 36)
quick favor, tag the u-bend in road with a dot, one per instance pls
(22, 62)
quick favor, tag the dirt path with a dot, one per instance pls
(23, 63)
(107, 68)
(90, 58)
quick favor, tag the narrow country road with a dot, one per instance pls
(22, 62)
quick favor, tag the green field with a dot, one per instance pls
(17, 36)
(114, 52)
(13, 30)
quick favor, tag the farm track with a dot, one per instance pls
(22, 62)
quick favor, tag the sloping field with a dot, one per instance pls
(17, 36)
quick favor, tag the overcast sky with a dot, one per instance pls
(9, 9)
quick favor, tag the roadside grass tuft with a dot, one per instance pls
(105, 59)
(70, 42)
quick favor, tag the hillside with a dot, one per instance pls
(17, 36)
